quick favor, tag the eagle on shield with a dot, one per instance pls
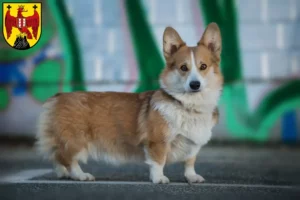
(22, 23)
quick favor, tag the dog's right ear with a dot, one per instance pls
(171, 42)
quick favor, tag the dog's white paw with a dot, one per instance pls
(194, 178)
(160, 179)
(83, 177)
(61, 171)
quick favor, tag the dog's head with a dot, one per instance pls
(191, 70)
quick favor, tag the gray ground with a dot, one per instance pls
(239, 172)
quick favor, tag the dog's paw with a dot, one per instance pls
(83, 177)
(194, 178)
(160, 179)
(61, 171)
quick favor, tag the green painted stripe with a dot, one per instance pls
(68, 39)
(149, 58)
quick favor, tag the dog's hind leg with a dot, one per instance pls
(69, 166)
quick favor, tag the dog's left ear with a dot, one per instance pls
(212, 39)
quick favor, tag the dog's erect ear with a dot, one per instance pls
(212, 39)
(171, 42)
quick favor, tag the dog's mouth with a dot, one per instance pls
(195, 91)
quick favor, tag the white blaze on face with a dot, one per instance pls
(194, 74)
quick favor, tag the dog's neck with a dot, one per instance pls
(171, 97)
(200, 102)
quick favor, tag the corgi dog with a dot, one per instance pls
(158, 127)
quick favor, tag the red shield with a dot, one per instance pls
(21, 22)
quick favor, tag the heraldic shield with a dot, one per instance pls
(22, 24)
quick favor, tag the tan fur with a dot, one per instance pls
(123, 127)
(106, 120)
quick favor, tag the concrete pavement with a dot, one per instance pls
(240, 172)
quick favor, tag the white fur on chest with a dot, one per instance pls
(182, 149)
(192, 125)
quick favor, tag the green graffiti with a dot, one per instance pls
(240, 122)
(150, 61)
(47, 84)
(4, 98)
(68, 39)
(65, 75)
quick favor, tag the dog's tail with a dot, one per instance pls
(45, 137)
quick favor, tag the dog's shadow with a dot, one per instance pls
(125, 172)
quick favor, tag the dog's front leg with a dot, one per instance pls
(190, 173)
(156, 153)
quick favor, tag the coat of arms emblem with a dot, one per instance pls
(22, 24)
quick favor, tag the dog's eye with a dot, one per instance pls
(203, 66)
(184, 68)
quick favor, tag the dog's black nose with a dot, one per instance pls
(194, 85)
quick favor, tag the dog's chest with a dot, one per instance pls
(196, 127)
(181, 149)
